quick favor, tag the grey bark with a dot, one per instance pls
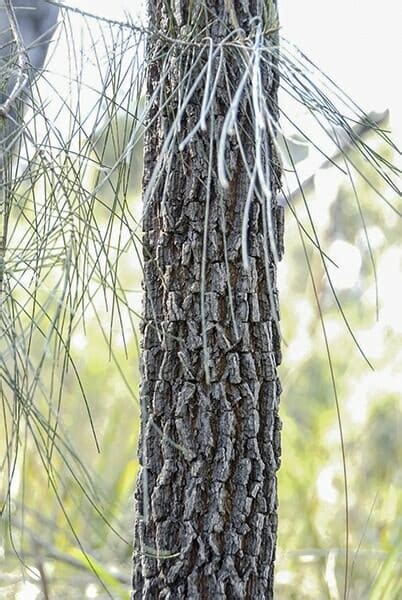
(37, 22)
(206, 497)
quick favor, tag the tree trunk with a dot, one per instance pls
(206, 496)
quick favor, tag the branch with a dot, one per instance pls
(371, 123)
(90, 15)
(22, 62)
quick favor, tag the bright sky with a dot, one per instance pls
(357, 43)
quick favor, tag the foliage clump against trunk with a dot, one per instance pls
(206, 499)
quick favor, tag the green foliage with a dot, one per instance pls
(311, 555)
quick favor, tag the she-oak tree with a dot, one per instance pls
(213, 224)
(210, 446)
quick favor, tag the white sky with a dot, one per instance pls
(358, 43)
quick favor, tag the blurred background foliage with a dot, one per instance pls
(311, 556)
(66, 532)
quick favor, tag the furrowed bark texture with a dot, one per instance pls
(206, 497)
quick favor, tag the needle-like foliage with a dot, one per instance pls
(71, 166)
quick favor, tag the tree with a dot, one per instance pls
(25, 36)
(213, 224)
(210, 447)
(206, 497)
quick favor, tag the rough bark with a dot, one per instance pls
(206, 497)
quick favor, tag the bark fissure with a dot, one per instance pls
(206, 496)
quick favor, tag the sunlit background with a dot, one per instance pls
(355, 43)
